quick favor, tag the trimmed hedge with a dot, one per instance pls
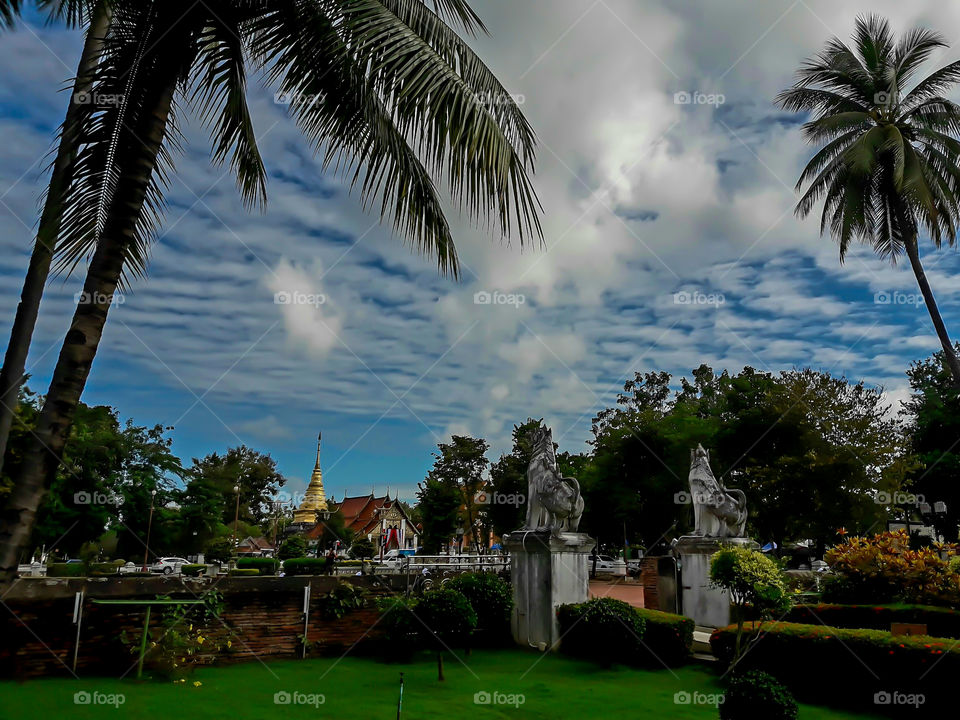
(105, 568)
(66, 570)
(264, 566)
(492, 600)
(940, 622)
(244, 572)
(668, 639)
(847, 666)
(193, 570)
(604, 630)
(304, 566)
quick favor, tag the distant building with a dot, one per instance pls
(255, 547)
(315, 499)
(379, 518)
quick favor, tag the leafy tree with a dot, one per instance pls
(255, 473)
(401, 102)
(219, 550)
(451, 490)
(333, 527)
(933, 412)
(363, 549)
(508, 476)
(889, 162)
(293, 547)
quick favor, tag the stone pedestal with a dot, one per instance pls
(708, 606)
(546, 571)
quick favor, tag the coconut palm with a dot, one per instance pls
(96, 15)
(385, 90)
(888, 166)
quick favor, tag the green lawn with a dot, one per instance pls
(362, 689)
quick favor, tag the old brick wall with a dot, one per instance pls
(37, 635)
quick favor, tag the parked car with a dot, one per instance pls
(605, 563)
(169, 565)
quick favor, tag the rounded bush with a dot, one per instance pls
(446, 617)
(304, 566)
(604, 630)
(757, 694)
(491, 599)
(192, 570)
(66, 570)
(263, 565)
(244, 572)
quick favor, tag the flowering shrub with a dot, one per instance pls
(883, 568)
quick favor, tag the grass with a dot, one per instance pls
(365, 689)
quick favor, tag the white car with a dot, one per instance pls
(605, 563)
(169, 565)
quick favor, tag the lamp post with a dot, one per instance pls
(146, 549)
(236, 516)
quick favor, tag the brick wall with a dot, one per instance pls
(38, 637)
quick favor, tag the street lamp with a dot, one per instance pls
(146, 549)
(236, 516)
(460, 540)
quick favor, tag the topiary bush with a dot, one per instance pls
(244, 572)
(446, 618)
(263, 565)
(492, 600)
(293, 547)
(193, 570)
(941, 622)
(304, 566)
(667, 638)
(755, 695)
(604, 630)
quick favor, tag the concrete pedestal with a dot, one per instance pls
(546, 571)
(708, 606)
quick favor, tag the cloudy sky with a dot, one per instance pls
(670, 240)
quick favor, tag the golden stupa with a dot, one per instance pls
(315, 499)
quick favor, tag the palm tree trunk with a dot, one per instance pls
(44, 454)
(14, 362)
(949, 353)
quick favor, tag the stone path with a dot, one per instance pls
(629, 592)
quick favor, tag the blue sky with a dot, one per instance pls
(669, 241)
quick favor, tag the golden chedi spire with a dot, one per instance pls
(315, 499)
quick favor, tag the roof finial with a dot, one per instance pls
(319, 435)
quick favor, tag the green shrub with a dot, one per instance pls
(66, 570)
(304, 566)
(757, 695)
(847, 666)
(104, 568)
(940, 622)
(491, 599)
(244, 572)
(446, 618)
(667, 638)
(350, 563)
(193, 570)
(263, 565)
(604, 630)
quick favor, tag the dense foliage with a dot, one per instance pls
(604, 630)
(757, 694)
(491, 598)
(940, 622)
(884, 568)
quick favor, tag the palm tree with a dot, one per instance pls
(888, 164)
(385, 90)
(97, 16)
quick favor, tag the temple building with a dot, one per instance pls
(315, 499)
(380, 519)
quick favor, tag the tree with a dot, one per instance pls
(508, 477)
(293, 547)
(933, 413)
(448, 498)
(752, 580)
(400, 100)
(889, 161)
(12, 374)
(253, 472)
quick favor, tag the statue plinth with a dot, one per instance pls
(547, 570)
(707, 605)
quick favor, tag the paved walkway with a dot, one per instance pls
(631, 593)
